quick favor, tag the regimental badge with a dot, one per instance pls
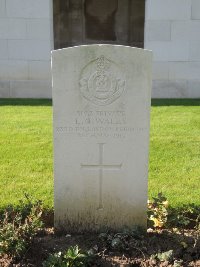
(101, 81)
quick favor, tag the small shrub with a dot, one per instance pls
(17, 229)
(186, 216)
(163, 256)
(157, 211)
(70, 258)
(126, 241)
(55, 260)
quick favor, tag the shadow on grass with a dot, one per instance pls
(25, 102)
(48, 102)
(175, 102)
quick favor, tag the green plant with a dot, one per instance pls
(163, 256)
(17, 230)
(185, 216)
(125, 241)
(55, 260)
(158, 210)
(70, 258)
(178, 263)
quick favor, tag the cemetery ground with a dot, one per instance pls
(26, 168)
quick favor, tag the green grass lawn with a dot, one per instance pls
(26, 164)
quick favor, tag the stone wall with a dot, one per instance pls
(172, 31)
(25, 43)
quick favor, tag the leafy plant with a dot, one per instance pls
(126, 241)
(55, 260)
(158, 210)
(163, 256)
(178, 263)
(160, 214)
(185, 216)
(70, 258)
(17, 230)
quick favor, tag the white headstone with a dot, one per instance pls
(101, 102)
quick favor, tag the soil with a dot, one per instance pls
(141, 251)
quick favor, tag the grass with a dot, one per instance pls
(175, 150)
(26, 150)
(26, 164)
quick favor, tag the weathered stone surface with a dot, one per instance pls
(169, 51)
(168, 9)
(28, 8)
(29, 49)
(3, 49)
(30, 89)
(195, 9)
(2, 8)
(26, 41)
(101, 96)
(158, 30)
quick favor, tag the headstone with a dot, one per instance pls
(101, 102)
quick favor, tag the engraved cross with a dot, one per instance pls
(101, 167)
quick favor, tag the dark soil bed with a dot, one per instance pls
(143, 251)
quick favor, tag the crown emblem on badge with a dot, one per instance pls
(101, 81)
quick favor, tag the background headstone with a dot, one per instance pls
(101, 99)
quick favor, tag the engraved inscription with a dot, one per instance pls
(100, 131)
(101, 167)
(100, 124)
(100, 118)
(101, 81)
